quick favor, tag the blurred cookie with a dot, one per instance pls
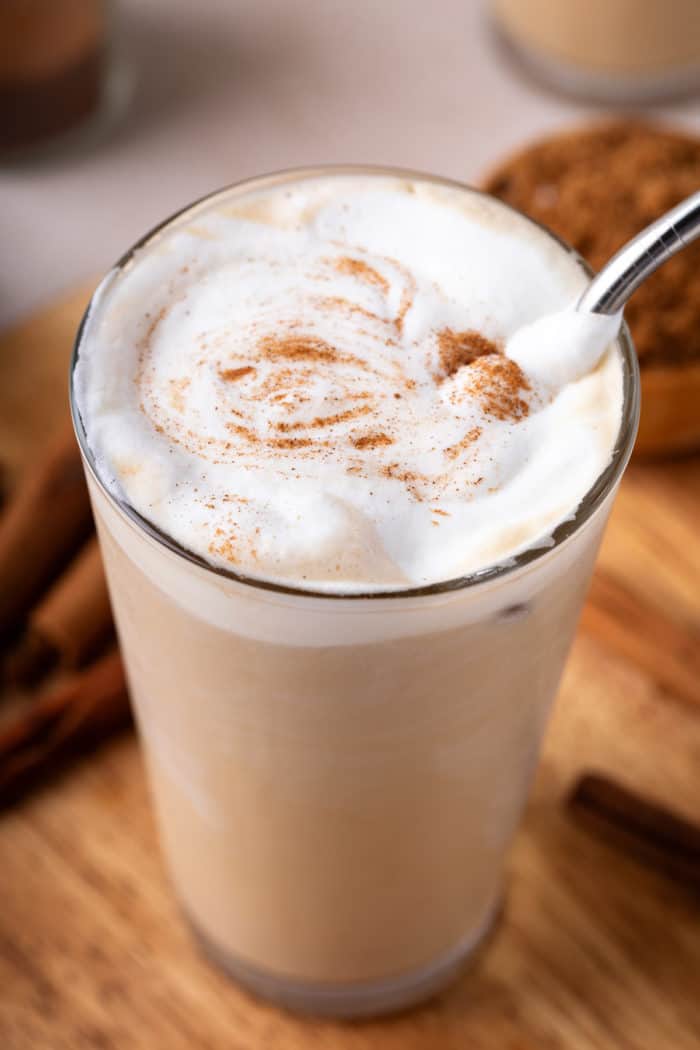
(596, 187)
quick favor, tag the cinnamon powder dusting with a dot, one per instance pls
(337, 302)
(407, 296)
(244, 432)
(230, 375)
(153, 324)
(469, 438)
(363, 272)
(462, 348)
(291, 443)
(412, 479)
(372, 440)
(499, 384)
(324, 421)
(294, 358)
(297, 348)
(224, 546)
(306, 348)
(178, 388)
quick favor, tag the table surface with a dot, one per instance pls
(594, 952)
(225, 89)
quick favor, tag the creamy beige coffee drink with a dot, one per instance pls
(349, 502)
(622, 49)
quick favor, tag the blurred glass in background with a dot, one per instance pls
(55, 71)
(609, 50)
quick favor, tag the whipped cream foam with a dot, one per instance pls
(330, 382)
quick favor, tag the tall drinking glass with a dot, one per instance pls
(337, 778)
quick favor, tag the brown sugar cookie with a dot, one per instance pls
(596, 187)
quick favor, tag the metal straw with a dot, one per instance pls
(611, 288)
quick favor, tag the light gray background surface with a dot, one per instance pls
(224, 89)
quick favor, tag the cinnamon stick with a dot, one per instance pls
(642, 828)
(69, 624)
(43, 523)
(74, 718)
(666, 649)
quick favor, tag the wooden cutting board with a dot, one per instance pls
(594, 950)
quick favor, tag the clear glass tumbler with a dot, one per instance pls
(607, 50)
(338, 778)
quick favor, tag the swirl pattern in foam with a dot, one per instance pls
(307, 383)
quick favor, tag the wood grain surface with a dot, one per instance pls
(594, 950)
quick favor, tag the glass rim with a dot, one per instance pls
(541, 546)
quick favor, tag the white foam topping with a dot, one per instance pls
(563, 347)
(320, 383)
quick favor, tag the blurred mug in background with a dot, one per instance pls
(611, 50)
(52, 60)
